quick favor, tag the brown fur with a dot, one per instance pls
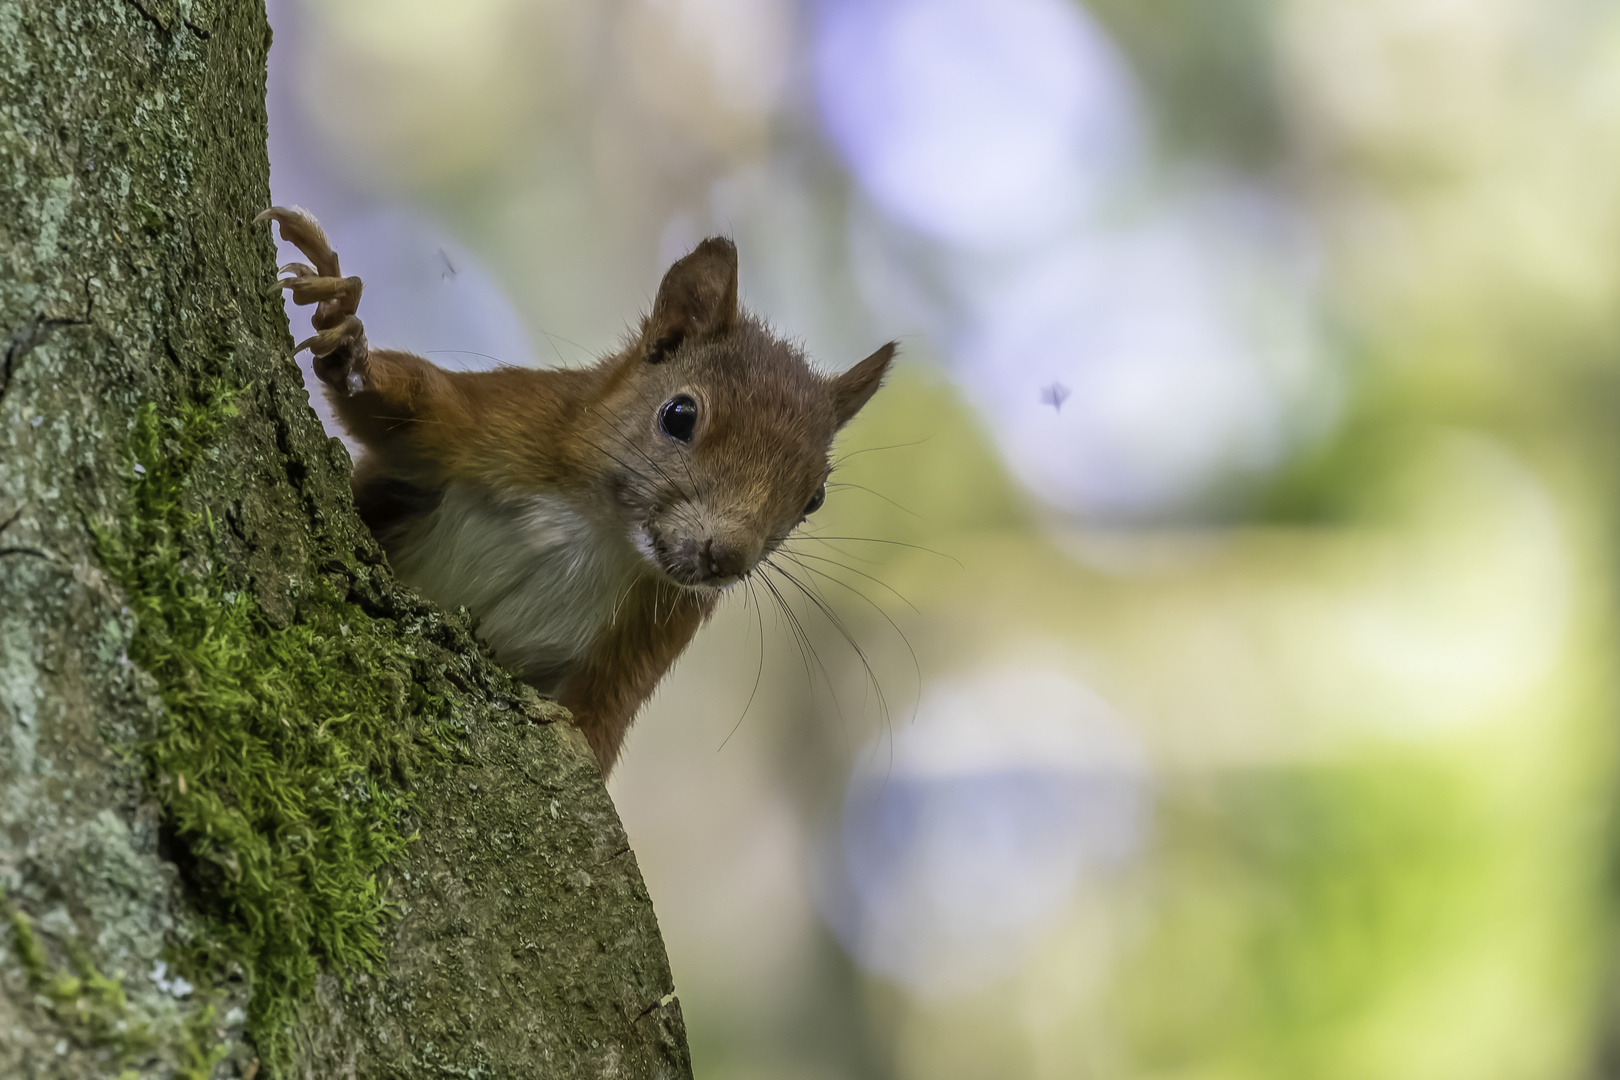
(702, 514)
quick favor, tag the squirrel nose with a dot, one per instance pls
(721, 560)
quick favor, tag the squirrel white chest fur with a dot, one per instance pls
(543, 578)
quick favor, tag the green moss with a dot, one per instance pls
(283, 758)
(29, 949)
(95, 1009)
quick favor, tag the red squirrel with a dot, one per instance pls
(590, 519)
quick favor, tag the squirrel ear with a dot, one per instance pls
(856, 386)
(697, 298)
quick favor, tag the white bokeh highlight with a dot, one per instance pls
(1183, 361)
(1137, 359)
(981, 122)
(961, 845)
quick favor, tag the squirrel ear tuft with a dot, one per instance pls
(697, 299)
(855, 387)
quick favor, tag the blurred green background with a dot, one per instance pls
(1228, 688)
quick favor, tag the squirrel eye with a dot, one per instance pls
(677, 418)
(816, 500)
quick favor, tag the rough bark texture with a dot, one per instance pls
(132, 162)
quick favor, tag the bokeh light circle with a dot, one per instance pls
(981, 122)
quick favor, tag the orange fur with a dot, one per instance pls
(656, 623)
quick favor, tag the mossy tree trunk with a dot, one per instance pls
(221, 721)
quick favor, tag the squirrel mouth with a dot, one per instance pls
(699, 565)
(696, 578)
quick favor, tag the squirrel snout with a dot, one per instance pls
(707, 562)
(720, 560)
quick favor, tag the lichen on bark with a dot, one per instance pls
(221, 720)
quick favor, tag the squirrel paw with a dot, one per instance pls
(339, 346)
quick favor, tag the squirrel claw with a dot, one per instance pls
(302, 231)
(339, 345)
(312, 288)
(339, 353)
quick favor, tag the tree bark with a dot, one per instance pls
(136, 297)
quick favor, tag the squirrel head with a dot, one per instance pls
(716, 431)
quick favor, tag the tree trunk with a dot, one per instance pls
(262, 811)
